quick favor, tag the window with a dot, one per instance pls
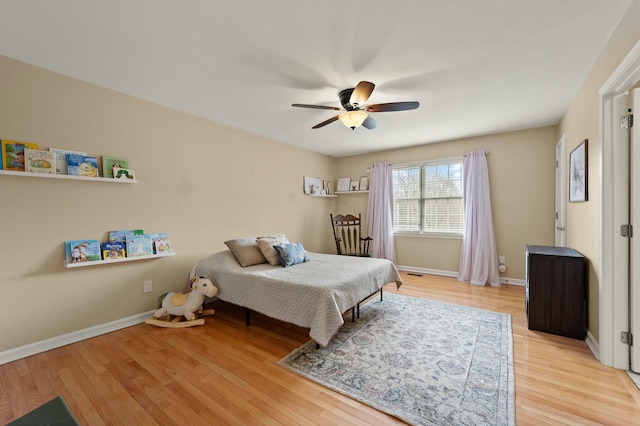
(427, 197)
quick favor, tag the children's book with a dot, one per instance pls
(39, 161)
(109, 162)
(162, 246)
(119, 173)
(114, 250)
(61, 159)
(155, 238)
(13, 154)
(139, 246)
(124, 234)
(82, 165)
(82, 251)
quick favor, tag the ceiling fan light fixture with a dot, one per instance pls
(353, 119)
(355, 114)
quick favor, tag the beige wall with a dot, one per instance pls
(200, 182)
(522, 179)
(581, 122)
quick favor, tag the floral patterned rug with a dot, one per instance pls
(425, 362)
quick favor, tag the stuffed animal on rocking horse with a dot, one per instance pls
(184, 305)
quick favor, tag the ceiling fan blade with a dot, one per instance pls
(324, 123)
(370, 123)
(392, 106)
(316, 106)
(361, 93)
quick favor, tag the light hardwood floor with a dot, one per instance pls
(226, 373)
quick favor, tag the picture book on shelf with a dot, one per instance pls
(162, 246)
(119, 173)
(139, 245)
(82, 165)
(61, 159)
(39, 161)
(157, 238)
(109, 162)
(82, 251)
(124, 234)
(163, 236)
(114, 250)
(13, 154)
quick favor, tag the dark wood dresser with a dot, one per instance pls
(556, 296)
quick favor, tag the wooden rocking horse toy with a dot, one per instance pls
(176, 307)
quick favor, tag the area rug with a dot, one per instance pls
(425, 362)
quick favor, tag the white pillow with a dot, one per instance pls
(266, 245)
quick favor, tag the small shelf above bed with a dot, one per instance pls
(322, 195)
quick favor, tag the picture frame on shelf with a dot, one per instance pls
(364, 183)
(354, 185)
(578, 173)
(313, 186)
(344, 184)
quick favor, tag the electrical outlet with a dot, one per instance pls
(501, 259)
(148, 286)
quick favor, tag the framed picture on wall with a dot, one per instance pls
(578, 174)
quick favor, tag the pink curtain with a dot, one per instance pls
(479, 258)
(380, 212)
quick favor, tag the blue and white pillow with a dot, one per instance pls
(291, 254)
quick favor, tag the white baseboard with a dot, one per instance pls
(426, 271)
(593, 345)
(66, 339)
(453, 274)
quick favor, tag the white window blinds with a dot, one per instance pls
(427, 197)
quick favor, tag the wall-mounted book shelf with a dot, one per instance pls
(71, 177)
(124, 259)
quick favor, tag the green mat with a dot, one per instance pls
(53, 413)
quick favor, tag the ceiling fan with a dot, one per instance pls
(355, 114)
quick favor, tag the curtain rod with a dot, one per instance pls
(485, 153)
(409, 163)
(435, 161)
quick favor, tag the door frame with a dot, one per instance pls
(561, 191)
(614, 255)
(634, 218)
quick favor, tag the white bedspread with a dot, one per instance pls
(313, 294)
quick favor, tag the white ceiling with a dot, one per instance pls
(476, 67)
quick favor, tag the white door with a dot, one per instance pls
(561, 194)
(634, 255)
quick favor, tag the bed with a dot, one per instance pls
(313, 294)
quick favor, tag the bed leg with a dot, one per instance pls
(381, 294)
(358, 306)
(317, 345)
(247, 316)
(353, 314)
